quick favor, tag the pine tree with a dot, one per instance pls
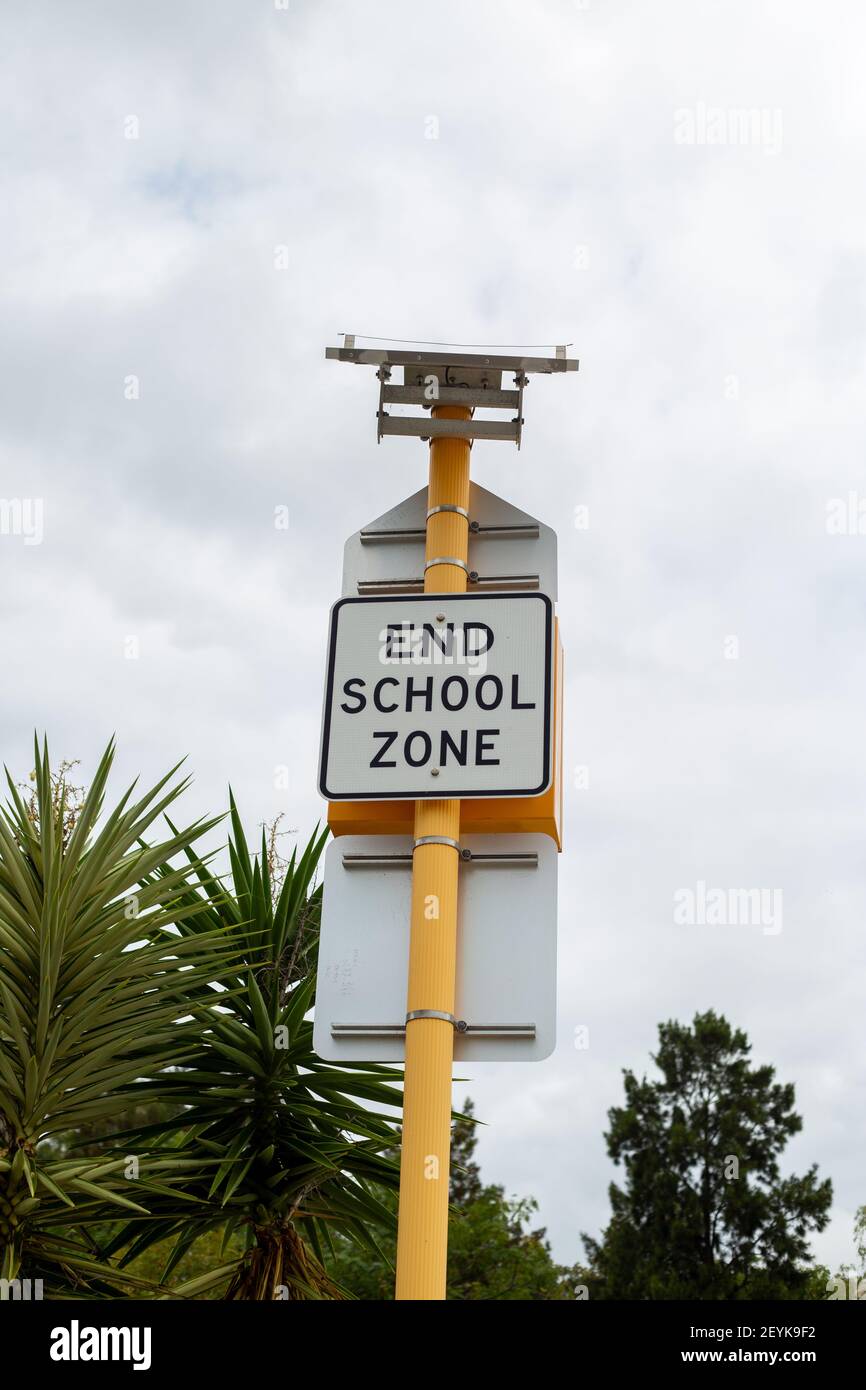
(704, 1212)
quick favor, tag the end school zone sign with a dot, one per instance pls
(438, 696)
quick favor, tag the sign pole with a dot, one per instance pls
(422, 1239)
(373, 767)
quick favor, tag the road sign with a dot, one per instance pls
(506, 955)
(508, 549)
(438, 696)
(506, 815)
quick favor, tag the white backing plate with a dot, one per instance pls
(489, 555)
(506, 960)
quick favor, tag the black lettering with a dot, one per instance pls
(443, 637)
(497, 686)
(482, 746)
(463, 686)
(447, 742)
(397, 633)
(515, 695)
(355, 695)
(428, 748)
(377, 697)
(477, 627)
(426, 694)
(377, 760)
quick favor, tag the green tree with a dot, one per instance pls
(860, 1241)
(92, 979)
(850, 1281)
(704, 1212)
(493, 1253)
(281, 1149)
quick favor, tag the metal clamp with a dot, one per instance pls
(520, 859)
(459, 1024)
(526, 1031)
(437, 840)
(516, 860)
(447, 507)
(447, 560)
(487, 583)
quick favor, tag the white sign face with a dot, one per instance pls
(506, 949)
(437, 696)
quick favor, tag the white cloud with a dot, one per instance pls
(718, 312)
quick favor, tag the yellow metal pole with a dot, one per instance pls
(422, 1240)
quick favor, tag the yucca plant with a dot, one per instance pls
(289, 1149)
(94, 982)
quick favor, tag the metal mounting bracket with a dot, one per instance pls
(524, 860)
(398, 1030)
(487, 583)
(445, 377)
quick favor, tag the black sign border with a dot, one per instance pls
(441, 793)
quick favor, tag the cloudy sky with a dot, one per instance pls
(200, 196)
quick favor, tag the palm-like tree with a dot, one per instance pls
(281, 1147)
(94, 980)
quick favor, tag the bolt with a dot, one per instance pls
(434, 772)
(440, 617)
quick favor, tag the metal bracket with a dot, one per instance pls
(488, 583)
(530, 532)
(437, 840)
(504, 581)
(470, 379)
(520, 380)
(384, 375)
(517, 860)
(448, 429)
(413, 533)
(398, 1030)
(445, 507)
(480, 395)
(459, 1024)
(448, 560)
(521, 860)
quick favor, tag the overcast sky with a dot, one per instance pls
(199, 196)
